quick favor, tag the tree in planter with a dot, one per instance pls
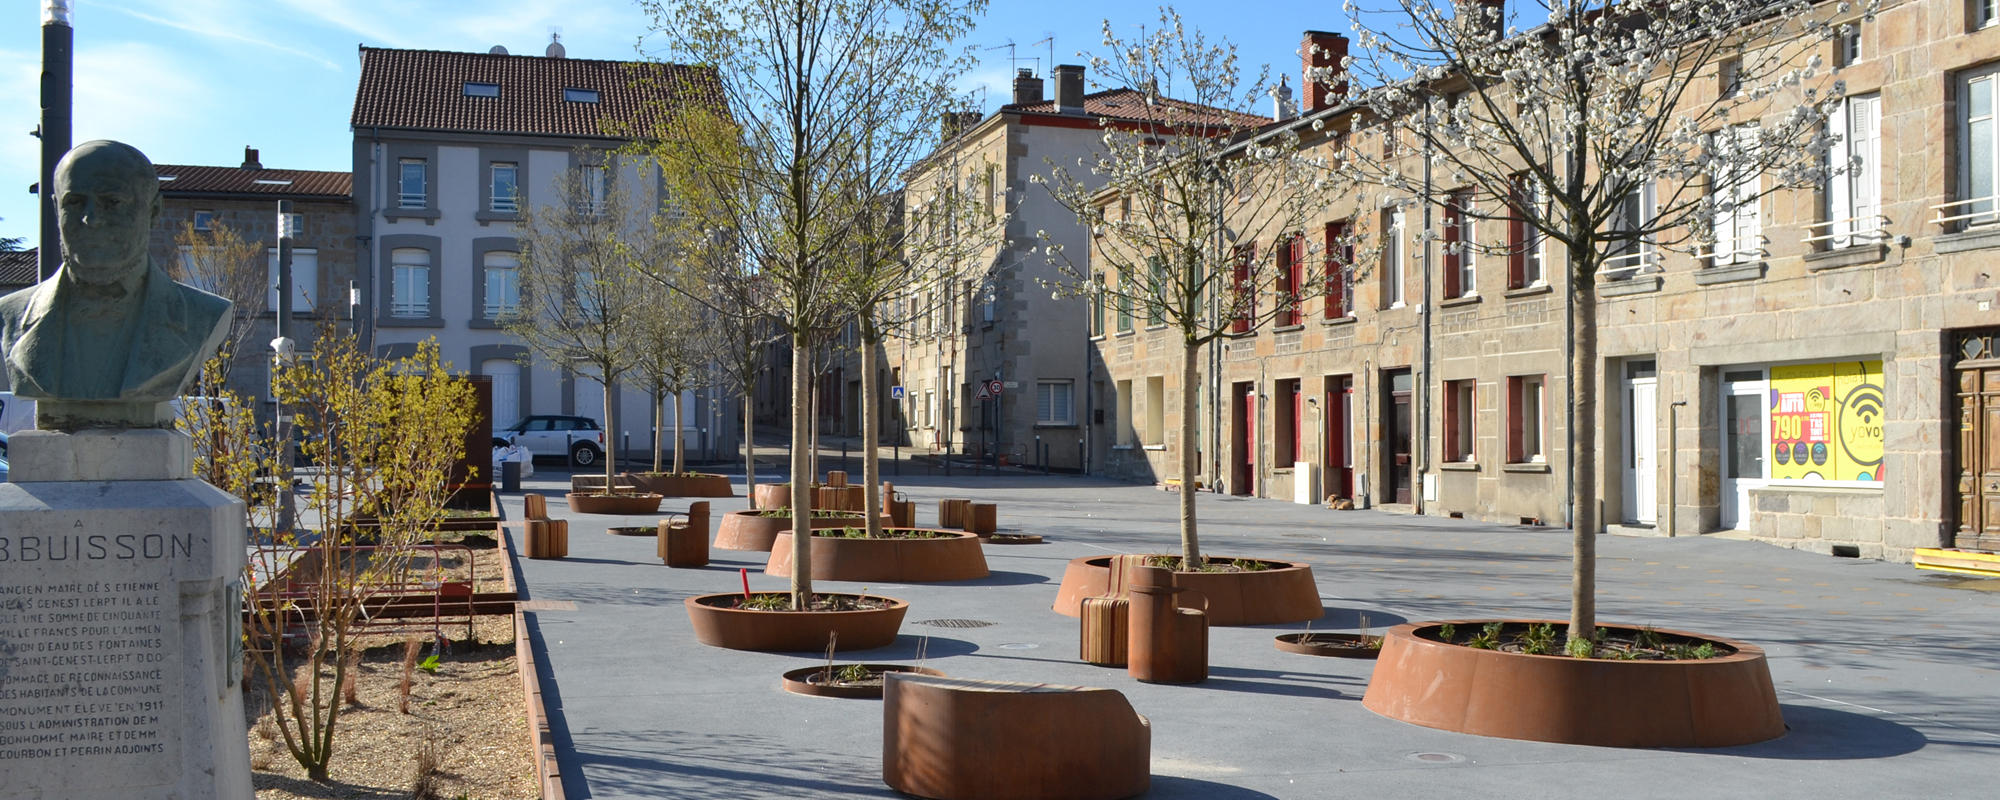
(385, 435)
(1614, 130)
(902, 255)
(817, 94)
(583, 292)
(673, 348)
(1191, 214)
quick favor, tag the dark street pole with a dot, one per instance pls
(285, 351)
(58, 61)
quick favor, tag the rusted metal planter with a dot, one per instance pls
(745, 530)
(956, 739)
(1284, 593)
(800, 681)
(627, 504)
(1335, 645)
(1717, 702)
(956, 558)
(692, 484)
(793, 631)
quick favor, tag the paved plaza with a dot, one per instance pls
(1889, 677)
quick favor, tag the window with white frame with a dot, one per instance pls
(412, 189)
(1979, 159)
(305, 279)
(1460, 269)
(930, 408)
(1854, 186)
(410, 290)
(503, 283)
(589, 295)
(593, 189)
(1525, 409)
(1632, 253)
(204, 220)
(1984, 13)
(1052, 403)
(1734, 193)
(1847, 45)
(505, 187)
(1524, 240)
(1392, 258)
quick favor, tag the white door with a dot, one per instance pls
(506, 375)
(1642, 439)
(1744, 440)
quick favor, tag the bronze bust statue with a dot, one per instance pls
(110, 339)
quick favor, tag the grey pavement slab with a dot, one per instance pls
(1889, 677)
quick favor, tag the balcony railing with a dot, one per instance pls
(1964, 218)
(1643, 262)
(1856, 230)
(1740, 249)
(411, 199)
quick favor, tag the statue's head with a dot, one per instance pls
(107, 199)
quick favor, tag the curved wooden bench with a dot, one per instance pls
(960, 739)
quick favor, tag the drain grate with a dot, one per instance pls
(955, 623)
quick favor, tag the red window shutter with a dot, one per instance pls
(1517, 237)
(1298, 422)
(1336, 271)
(1514, 419)
(1245, 296)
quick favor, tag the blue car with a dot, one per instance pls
(3, 457)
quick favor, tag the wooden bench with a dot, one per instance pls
(684, 543)
(1104, 630)
(961, 739)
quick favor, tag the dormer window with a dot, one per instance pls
(482, 89)
(580, 95)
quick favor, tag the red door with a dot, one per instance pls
(1339, 455)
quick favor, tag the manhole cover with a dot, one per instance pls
(1437, 758)
(1019, 646)
(955, 623)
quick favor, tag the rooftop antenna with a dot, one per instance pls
(1050, 40)
(1013, 62)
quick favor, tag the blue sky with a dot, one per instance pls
(194, 81)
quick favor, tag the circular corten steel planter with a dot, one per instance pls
(1717, 702)
(799, 681)
(1282, 594)
(955, 557)
(627, 504)
(745, 530)
(692, 484)
(793, 631)
(1337, 645)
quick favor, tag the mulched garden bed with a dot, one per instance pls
(470, 710)
(782, 601)
(1338, 645)
(1216, 565)
(1548, 639)
(887, 533)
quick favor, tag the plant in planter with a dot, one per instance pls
(912, 555)
(1160, 248)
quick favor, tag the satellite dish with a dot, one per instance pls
(555, 50)
(498, 50)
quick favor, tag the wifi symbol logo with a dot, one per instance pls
(1866, 404)
(1862, 413)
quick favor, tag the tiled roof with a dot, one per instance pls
(1130, 104)
(19, 268)
(179, 179)
(425, 89)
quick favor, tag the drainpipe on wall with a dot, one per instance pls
(1422, 446)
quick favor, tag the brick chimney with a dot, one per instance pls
(1069, 89)
(250, 158)
(1320, 55)
(1490, 15)
(1027, 88)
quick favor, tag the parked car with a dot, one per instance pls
(3, 458)
(16, 413)
(579, 439)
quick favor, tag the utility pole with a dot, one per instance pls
(58, 62)
(285, 352)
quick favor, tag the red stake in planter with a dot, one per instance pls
(746, 583)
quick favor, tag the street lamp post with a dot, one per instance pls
(58, 63)
(285, 353)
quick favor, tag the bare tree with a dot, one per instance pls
(817, 97)
(583, 291)
(1614, 130)
(1191, 211)
(221, 262)
(674, 345)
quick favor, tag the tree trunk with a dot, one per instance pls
(658, 426)
(801, 472)
(1583, 456)
(1190, 545)
(610, 434)
(680, 456)
(871, 454)
(812, 474)
(750, 445)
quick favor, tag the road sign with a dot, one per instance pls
(983, 394)
(994, 387)
(896, 393)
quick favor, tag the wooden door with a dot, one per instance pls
(1979, 454)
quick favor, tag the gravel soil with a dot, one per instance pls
(471, 708)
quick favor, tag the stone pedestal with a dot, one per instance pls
(120, 622)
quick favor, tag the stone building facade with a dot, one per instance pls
(245, 199)
(1834, 390)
